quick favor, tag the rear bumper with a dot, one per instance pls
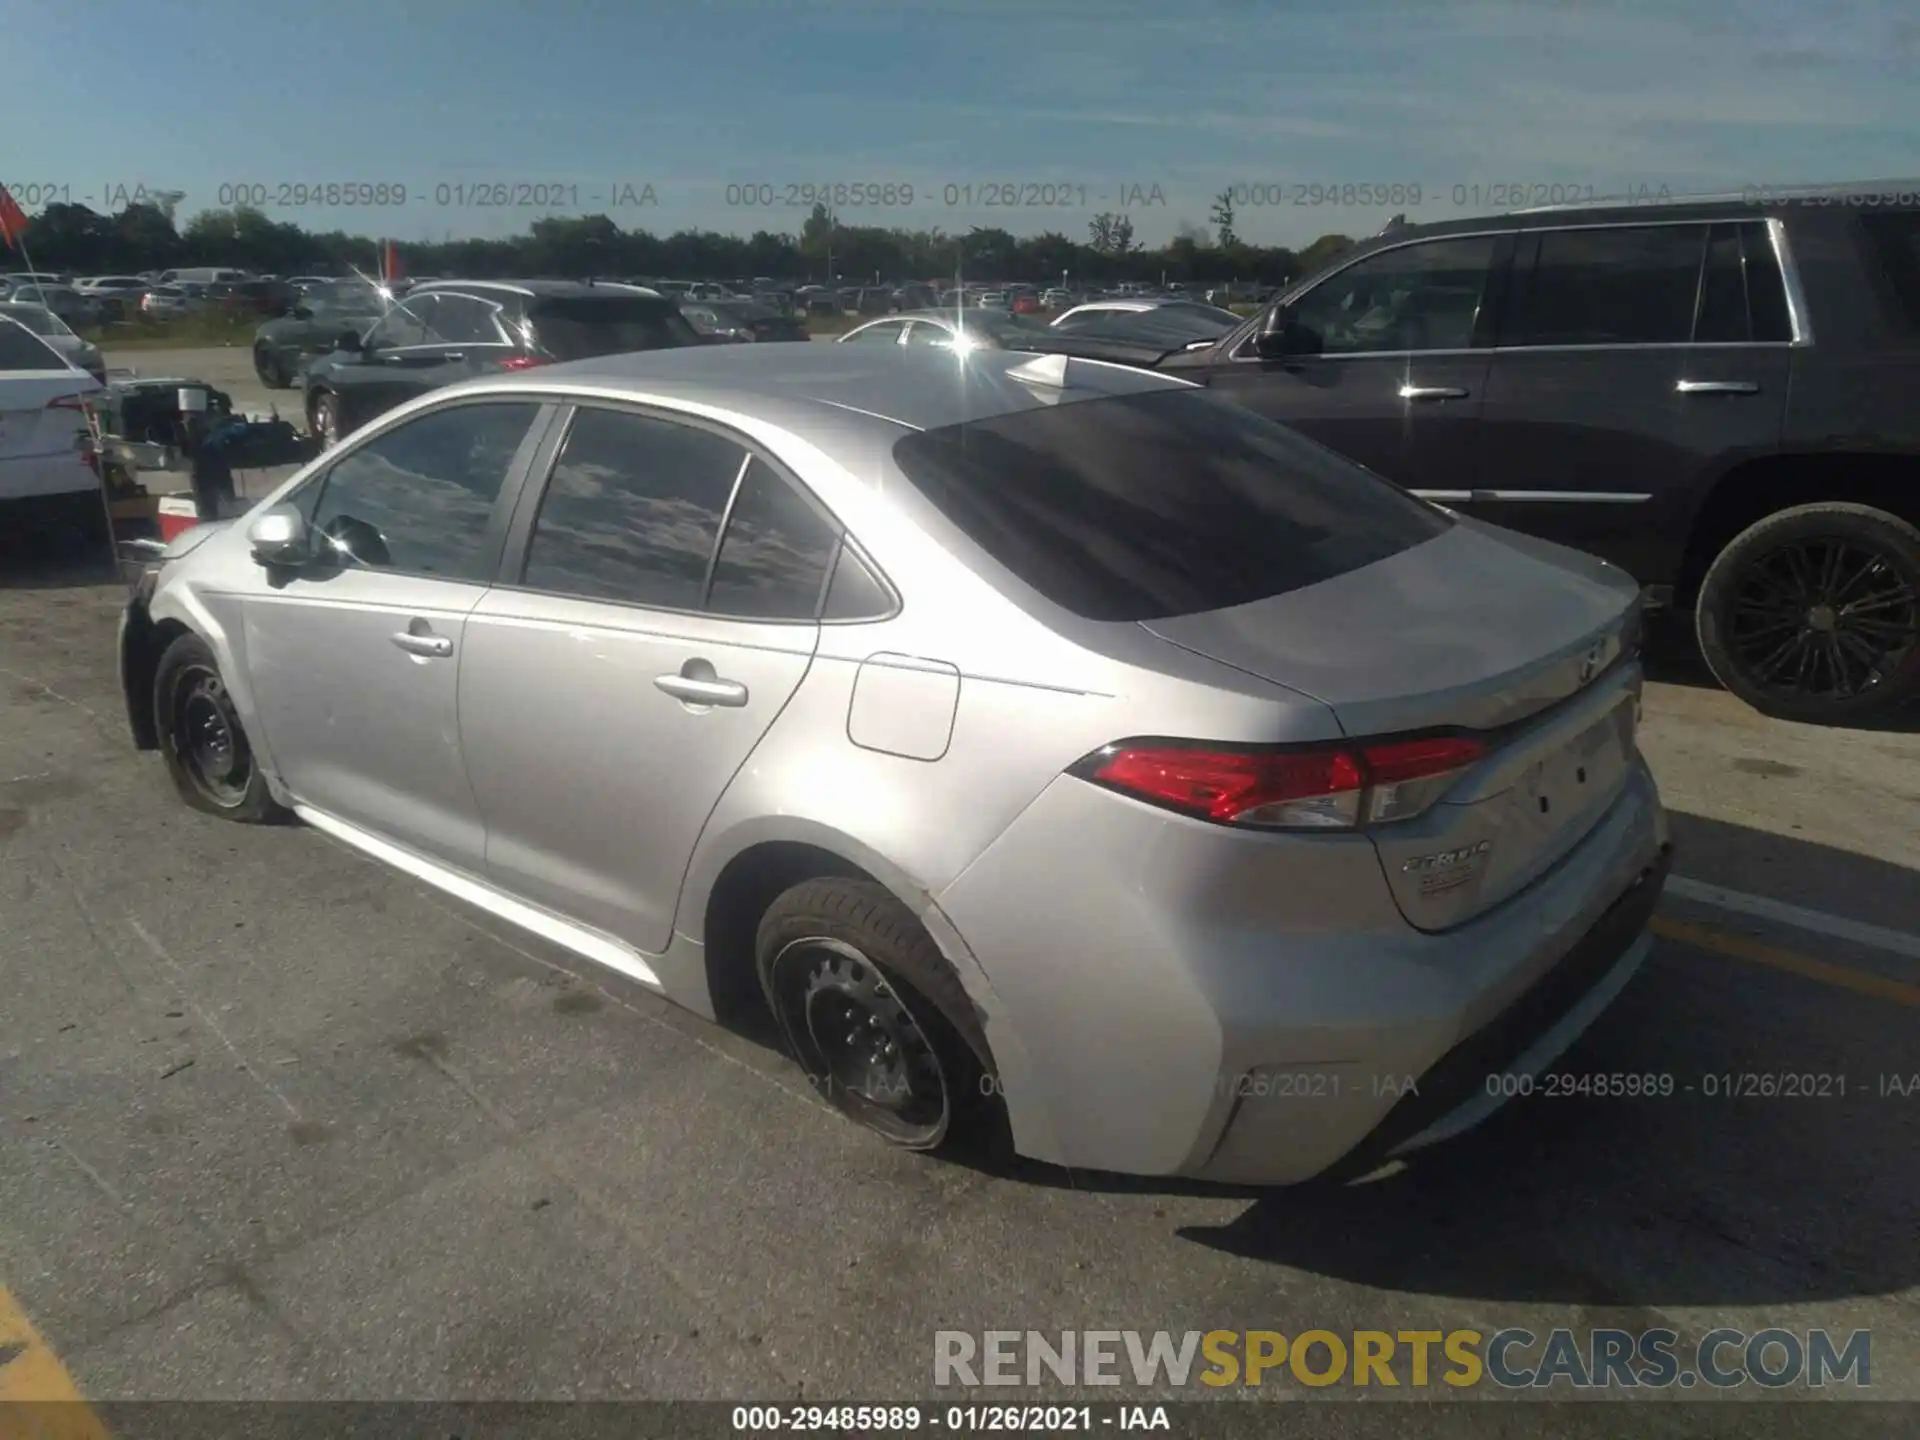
(1465, 1086)
(1253, 1009)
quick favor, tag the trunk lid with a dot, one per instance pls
(1526, 643)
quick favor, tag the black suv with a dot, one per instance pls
(1720, 395)
(448, 330)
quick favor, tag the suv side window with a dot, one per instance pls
(420, 497)
(1617, 285)
(1423, 296)
(632, 510)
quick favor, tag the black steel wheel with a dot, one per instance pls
(1814, 614)
(203, 739)
(877, 1018)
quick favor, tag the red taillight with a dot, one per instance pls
(1321, 787)
(524, 362)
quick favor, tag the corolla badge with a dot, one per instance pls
(1448, 869)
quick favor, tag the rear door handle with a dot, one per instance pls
(454, 355)
(703, 690)
(1717, 387)
(1432, 392)
(433, 647)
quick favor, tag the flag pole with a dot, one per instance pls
(17, 239)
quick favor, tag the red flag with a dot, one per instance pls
(13, 221)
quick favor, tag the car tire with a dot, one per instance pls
(267, 365)
(324, 415)
(1826, 594)
(203, 741)
(878, 1020)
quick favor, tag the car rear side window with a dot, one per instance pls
(774, 558)
(1723, 315)
(420, 497)
(1742, 297)
(633, 510)
(1618, 285)
(580, 329)
(1169, 503)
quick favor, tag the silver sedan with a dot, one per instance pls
(1066, 758)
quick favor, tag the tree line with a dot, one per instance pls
(75, 238)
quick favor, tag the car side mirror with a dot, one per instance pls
(300, 312)
(280, 539)
(350, 341)
(1283, 337)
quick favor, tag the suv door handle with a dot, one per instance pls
(697, 688)
(454, 355)
(1717, 387)
(1432, 392)
(433, 647)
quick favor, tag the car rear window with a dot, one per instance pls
(581, 329)
(1144, 507)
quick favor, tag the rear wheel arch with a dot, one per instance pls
(741, 894)
(1755, 489)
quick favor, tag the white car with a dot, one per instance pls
(168, 301)
(46, 470)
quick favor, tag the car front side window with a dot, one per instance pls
(419, 498)
(1423, 296)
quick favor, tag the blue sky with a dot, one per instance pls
(1097, 99)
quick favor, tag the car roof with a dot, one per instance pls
(797, 386)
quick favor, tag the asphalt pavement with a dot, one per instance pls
(278, 1123)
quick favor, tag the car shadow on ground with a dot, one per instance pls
(1697, 1198)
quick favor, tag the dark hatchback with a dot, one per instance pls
(1721, 395)
(452, 330)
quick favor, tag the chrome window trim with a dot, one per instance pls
(1545, 497)
(1799, 321)
(1797, 317)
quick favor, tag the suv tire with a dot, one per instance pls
(1813, 614)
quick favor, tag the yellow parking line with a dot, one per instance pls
(38, 1399)
(1739, 947)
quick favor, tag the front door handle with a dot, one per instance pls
(1717, 387)
(1432, 392)
(696, 684)
(426, 644)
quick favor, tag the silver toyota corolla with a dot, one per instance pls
(1062, 753)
